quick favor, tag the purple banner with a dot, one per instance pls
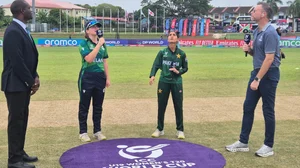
(112, 42)
(147, 42)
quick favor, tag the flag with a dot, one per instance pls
(126, 15)
(142, 14)
(150, 12)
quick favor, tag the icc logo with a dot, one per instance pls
(128, 152)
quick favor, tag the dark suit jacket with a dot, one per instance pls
(20, 60)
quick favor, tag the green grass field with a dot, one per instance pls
(212, 73)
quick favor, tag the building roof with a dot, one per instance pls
(217, 10)
(230, 10)
(108, 18)
(283, 9)
(244, 9)
(50, 4)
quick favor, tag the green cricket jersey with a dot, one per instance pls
(87, 46)
(167, 59)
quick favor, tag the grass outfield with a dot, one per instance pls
(212, 73)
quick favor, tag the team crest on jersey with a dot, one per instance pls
(178, 55)
(92, 46)
(166, 54)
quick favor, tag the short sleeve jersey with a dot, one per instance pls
(85, 48)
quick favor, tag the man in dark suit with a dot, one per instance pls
(19, 81)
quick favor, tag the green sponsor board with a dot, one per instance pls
(290, 43)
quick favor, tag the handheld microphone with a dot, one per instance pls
(173, 65)
(247, 39)
(99, 33)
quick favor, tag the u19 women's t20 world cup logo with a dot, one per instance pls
(141, 151)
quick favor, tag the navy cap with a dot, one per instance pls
(92, 23)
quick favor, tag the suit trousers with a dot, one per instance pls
(18, 108)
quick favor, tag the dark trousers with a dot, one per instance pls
(17, 103)
(267, 91)
(163, 93)
(91, 85)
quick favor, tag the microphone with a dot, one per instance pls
(99, 33)
(247, 39)
(173, 65)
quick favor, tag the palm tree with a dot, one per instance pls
(273, 4)
(294, 8)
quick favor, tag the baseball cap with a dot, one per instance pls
(92, 23)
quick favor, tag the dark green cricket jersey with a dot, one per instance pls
(167, 59)
(86, 47)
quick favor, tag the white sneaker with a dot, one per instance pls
(180, 135)
(237, 147)
(99, 136)
(157, 133)
(84, 137)
(264, 151)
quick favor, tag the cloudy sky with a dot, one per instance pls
(131, 5)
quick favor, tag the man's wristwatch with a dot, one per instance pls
(257, 79)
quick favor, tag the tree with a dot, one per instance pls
(42, 17)
(6, 21)
(273, 4)
(54, 17)
(294, 8)
(1, 17)
(197, 7)
(182, 8)
(106, 9)
(86, 6)
(1, 13)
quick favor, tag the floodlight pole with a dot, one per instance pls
(33, 12)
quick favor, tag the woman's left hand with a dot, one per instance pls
(174, 70)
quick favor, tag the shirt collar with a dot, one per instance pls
(23, 25)
(172, 51)
(266, 26)
(89, 40)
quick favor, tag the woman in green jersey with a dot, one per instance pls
(93, 79)
(173, 63)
